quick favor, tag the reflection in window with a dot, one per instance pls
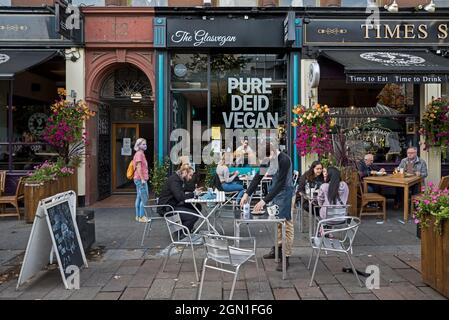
(26, 157)
(189, 71)
(4, 157)
(28, 122)
(248, 91)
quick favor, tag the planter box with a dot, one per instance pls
(435, 257)
(35, 192)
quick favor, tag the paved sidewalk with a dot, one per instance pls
(128, 271)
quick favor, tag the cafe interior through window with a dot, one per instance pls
(381, 119)
(33, 93)
(230, 91)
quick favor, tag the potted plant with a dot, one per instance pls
(432, 214)
(158, 176)
(64, 130)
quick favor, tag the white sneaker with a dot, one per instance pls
(143, 219)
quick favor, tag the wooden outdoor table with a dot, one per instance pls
(395, 181)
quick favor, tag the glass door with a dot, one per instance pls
(124, 137)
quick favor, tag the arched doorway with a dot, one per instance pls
(125, 114)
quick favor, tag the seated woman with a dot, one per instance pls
(332, 192)
(313, 177)
(228, 182)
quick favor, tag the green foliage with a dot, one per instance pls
(210, 173)
(432, 202)
(158, 175)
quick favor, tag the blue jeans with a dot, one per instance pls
(234, 186)
(141, 198)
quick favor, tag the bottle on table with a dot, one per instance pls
(246, 211)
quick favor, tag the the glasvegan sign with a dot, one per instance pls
(335, 32)
(225, 33)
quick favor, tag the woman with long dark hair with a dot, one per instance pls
(313, 176)
(333, 192)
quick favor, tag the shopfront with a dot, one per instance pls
(33, 67)
(378, 79)
(119, 86)
(228, 77)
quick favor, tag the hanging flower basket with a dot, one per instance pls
(313, 127)
(435, 125)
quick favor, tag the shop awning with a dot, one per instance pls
(391, 66)
(12, 62)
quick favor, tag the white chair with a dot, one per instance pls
(222, 253)
(174, 225)
(151, 214)
(329, 238)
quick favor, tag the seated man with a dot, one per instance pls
(413, 165)
(244, 154)
(366, 168)
(174, 194)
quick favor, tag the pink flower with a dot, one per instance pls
(416, 221)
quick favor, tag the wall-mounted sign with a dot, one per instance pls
(404, 32)
(314, 74)
(36, 123)
(249, 104)
(225, 32)
(180, 70)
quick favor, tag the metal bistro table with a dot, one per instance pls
(312, 200)
(395, 181)
(218, 201)
(265, 220)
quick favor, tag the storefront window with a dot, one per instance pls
(29, 122)
(244, 91)
(382, 119)
(189, 71)
(4, 157)
(248, 91)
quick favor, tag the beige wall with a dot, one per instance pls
(433, 156)
(75, 75)
(309, 96)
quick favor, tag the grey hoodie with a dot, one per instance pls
(323, 199)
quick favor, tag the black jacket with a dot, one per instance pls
(364, 170)
(173, 193)
(284, 169)
(315, 183)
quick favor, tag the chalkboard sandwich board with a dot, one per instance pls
(58, 236)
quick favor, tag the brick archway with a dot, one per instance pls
(99, 65)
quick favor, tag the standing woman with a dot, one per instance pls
(141, 179)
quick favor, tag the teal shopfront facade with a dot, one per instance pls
(234, 72)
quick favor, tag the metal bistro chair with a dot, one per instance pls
(329, 240)
(174, 225)
(338, 212)
(151, 214)
(222, 253)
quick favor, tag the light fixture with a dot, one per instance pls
(245, 17)
(393, 8)
(430, 7)
(136, 97)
